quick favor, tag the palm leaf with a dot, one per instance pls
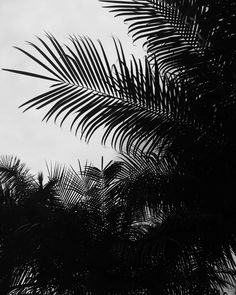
(175, 28)
(133, 105)
(170, 32)
(183, 38)
(137, 187)
(15, 178)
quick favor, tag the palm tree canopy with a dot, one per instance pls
(163, 218)
(90, 237)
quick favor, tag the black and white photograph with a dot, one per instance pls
(118, 147)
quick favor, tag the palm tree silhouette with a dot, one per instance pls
(65, 236)
(173, 116)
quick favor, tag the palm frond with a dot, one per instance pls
(76, 188)
(176, 28)
(139, 187)
(171, 32)
(131, 102)
(183, 38)
(15, 176)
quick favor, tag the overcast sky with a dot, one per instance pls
(23, 134)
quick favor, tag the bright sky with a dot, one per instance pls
(23, 134)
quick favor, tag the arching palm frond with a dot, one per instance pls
(73, 187)
(183, 38)
(180, 33)
(87, 192)
(130, 101)
(16, 178)
(170, 34)
(138, 187)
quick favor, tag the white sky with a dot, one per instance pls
(23, 134)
